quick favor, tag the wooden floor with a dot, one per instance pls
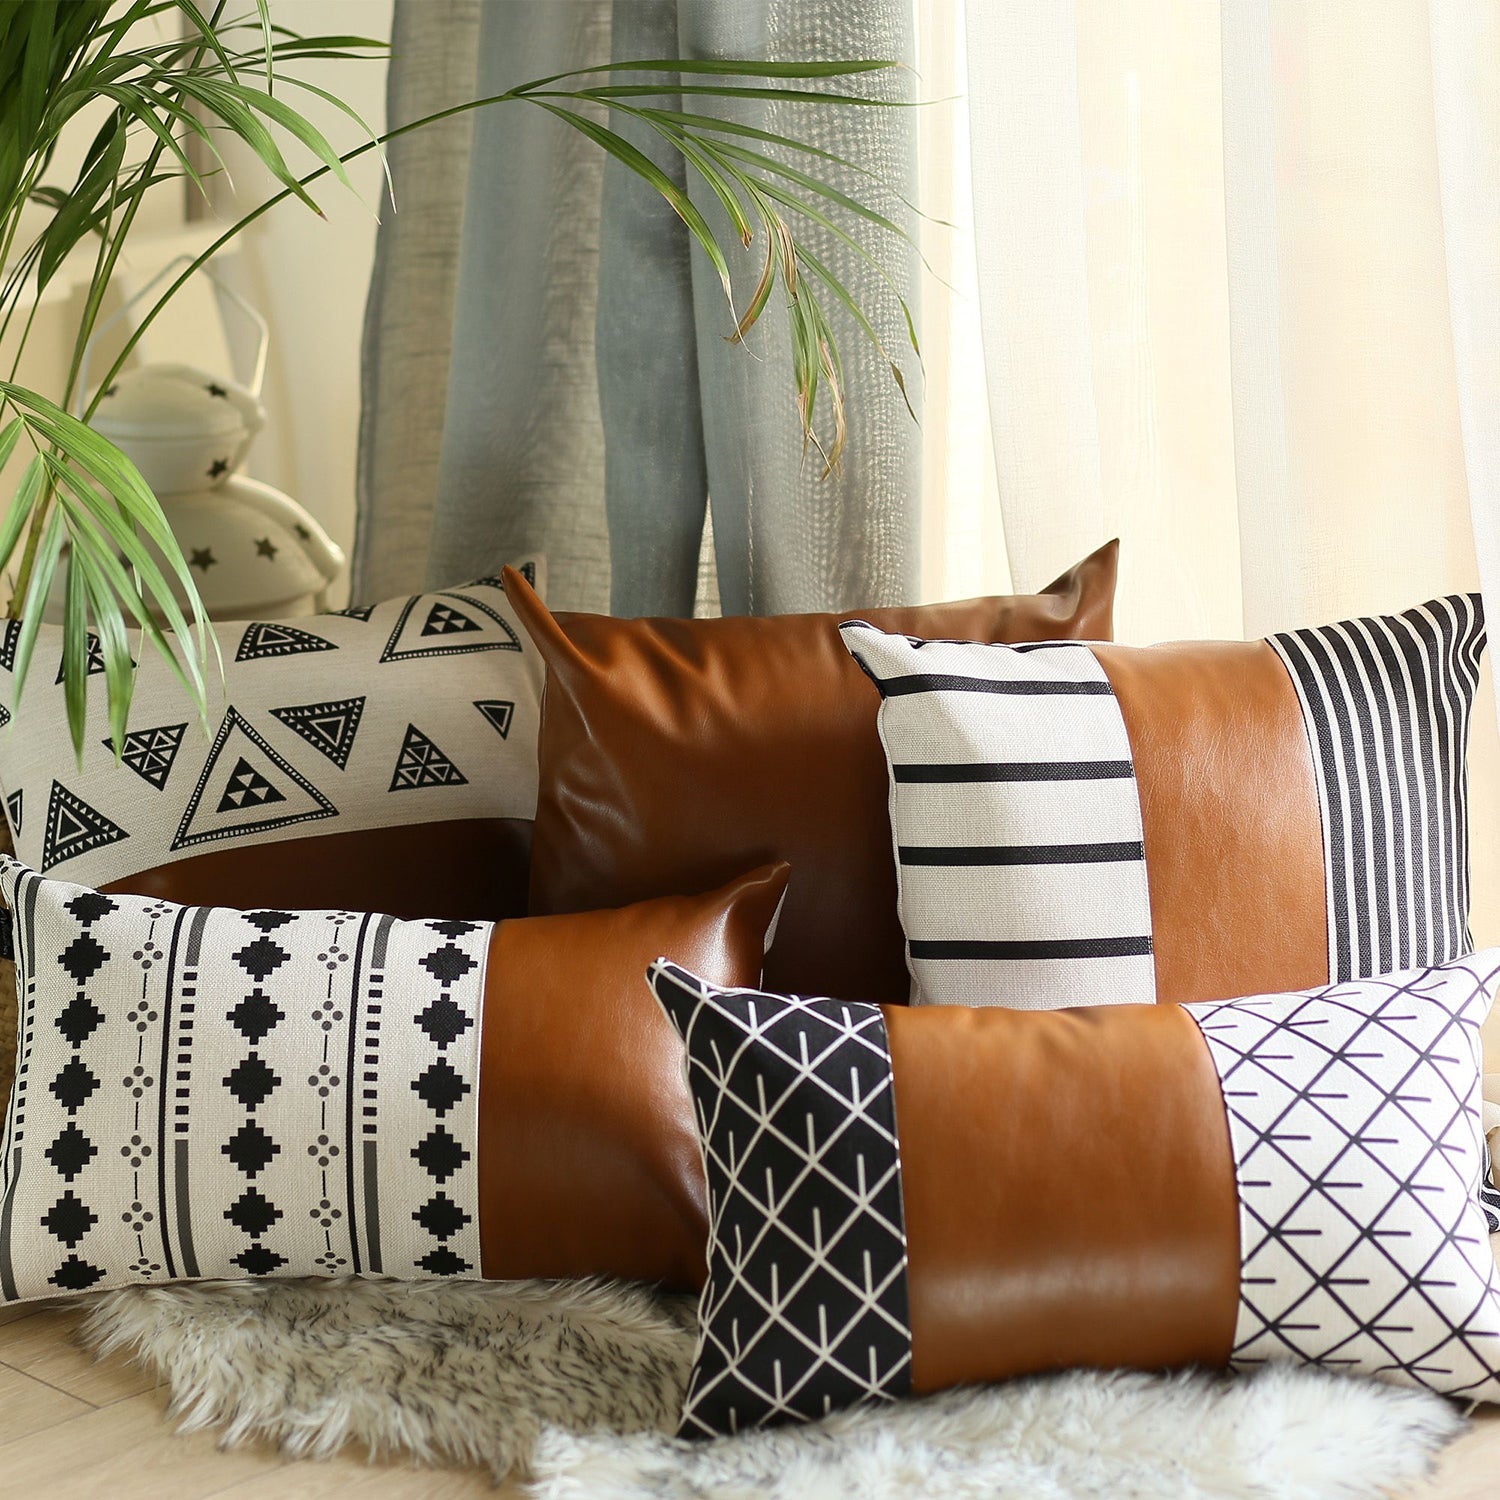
(73, 1428)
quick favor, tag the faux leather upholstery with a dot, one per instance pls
(480, 876)
(1069, 1191)
(1229, 806)
(675, 752)
(588, 1157)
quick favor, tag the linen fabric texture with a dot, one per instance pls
(1091, 824)
(676, 752)
(381, 757)
(1287, 1177)
(205, 1092)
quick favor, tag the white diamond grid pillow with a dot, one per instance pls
(414, 711)
(213, 1093)
(1339, 1126)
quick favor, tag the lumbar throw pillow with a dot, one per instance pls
(676, 752)
(1087, 824)
(204, 1092)
(896, 1206)
(381, 757)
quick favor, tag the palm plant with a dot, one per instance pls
(80, 505)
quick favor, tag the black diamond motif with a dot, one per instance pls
(74, 1085)
(439, 1086)
(441, 1217)
(422, 764)
(268, 921)
(252, 1213)
(441, 1261)
(444, 1021)
(83, 957)
(450, 928)
(439, 1153)
(246, 787)
(14, 806)
(79, 1020)
(74, 828)
(251, 1149)
(447, 964)
(329, 727)
(262, 640)
(261, 958)
(71, 1152)
(443, 619)
(75, 1275)
(151, 752)
(69, 1219)
(256, 1016)
(498, 712)
(256, 1260)
(89, 906)
(252, 1081)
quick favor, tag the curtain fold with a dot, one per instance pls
(1248, 253)
(591, 406)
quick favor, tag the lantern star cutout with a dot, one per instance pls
(265, 547)
(217, 467)
(202, 557)
(216, 390)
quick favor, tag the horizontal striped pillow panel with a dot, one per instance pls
(1020, 864)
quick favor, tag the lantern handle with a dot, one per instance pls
(225, 291)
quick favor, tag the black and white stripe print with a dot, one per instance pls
(1386, 702)
(1017, 822)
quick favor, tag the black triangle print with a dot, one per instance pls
(4, 716)
(247, 788)
(450, 625)
(74, 828)
(354, 612)
(498, 712)
(8, 645)
(151, 752)
(261, 640)
(14, 805)
(95, 660)
(444, 619)
(422, 764)
(328, 727)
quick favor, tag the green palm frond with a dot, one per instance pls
(172, 71)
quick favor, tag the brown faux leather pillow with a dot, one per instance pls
(208, 1092)
(675, 752)
(897, 1204)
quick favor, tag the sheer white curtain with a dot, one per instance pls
(1238, 272)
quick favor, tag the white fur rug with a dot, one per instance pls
(577, 1388)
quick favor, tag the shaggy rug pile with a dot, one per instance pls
(576, 1388)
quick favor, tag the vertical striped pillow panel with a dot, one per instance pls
(1091, 824)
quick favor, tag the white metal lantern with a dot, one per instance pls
(253, 550)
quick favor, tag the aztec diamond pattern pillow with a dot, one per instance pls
(895, 1204)
(387, 751)
(1090, 823)
(204, 1092)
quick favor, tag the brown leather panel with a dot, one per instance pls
(588, 1155)
(1069, 1191)
(1233, 830)
(676, 752)
(472, 869)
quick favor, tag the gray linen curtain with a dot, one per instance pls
(546, 367)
